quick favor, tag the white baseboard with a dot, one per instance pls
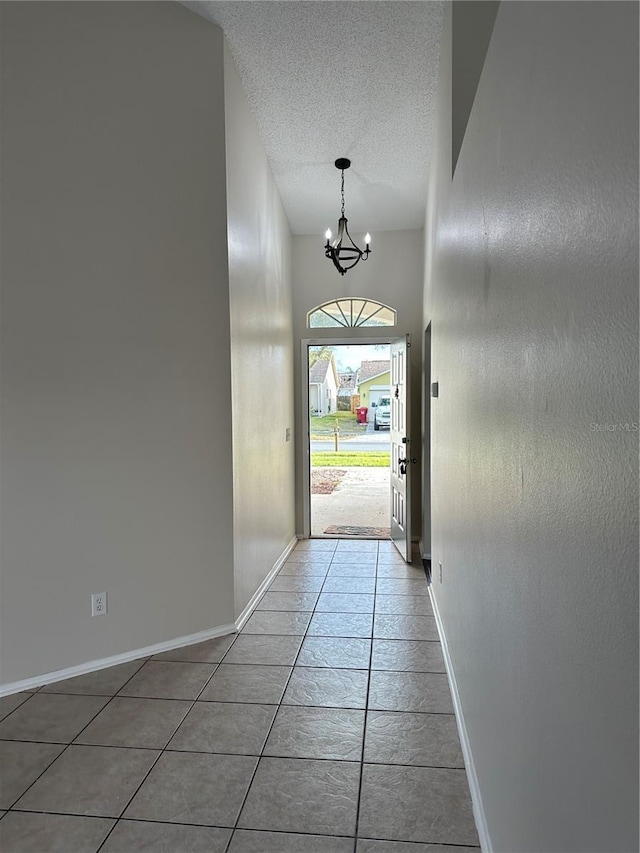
(147, 651)
(476, 798)
(255, 598)
(125, 657)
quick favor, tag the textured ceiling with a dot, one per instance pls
(340, 79)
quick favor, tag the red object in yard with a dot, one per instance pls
(361, 414)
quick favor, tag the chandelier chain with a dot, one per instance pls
(342, 192)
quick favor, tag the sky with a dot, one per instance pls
(350, 355)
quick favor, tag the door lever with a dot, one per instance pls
(403, 464)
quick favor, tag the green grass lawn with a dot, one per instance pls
(356, 459)
(322, 427)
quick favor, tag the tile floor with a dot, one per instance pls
(324, 726)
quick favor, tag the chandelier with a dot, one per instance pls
(345, 255)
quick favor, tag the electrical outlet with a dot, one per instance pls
(287, 434)
(440, 570)
(98, 603)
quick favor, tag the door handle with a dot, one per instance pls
(403, 463)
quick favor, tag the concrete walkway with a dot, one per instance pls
(361, 500)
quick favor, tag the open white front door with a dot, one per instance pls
(400, 448)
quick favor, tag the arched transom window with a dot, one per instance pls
(351, 313)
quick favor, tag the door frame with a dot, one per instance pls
(426, 446)
(346, 339)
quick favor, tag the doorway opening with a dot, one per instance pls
(349, 418)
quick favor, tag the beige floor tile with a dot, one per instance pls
(300, 795)
(169, 680)
(21, 765)
(89, 780)
(224, 727)
(55, 718)
(34, 833)
(143, 723)
(103, 682)
(210, 651)
(422, 804)
(10, 703)
(194, 788)
(247, 683)
(254, 841)
(131, 836)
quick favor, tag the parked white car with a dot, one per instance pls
(382, 416)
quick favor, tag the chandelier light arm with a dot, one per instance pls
(342, 226)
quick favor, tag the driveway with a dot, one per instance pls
(361, 500)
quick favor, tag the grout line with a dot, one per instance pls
(164, 749)
(17, 708)
(53, 760)
(208, 752)
(280, 704)
(450, 845)
(67, 745)
(246, 796)
(366, 714)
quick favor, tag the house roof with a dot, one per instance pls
(369, 369)
(347, 381)
(318, 371)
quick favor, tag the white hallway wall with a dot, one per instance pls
(116, 415)
(532, 287)
(116, 343)
(393, 274)
(261, 350)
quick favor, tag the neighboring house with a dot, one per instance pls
(374, 381)
(323, 387)
(347, 388)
